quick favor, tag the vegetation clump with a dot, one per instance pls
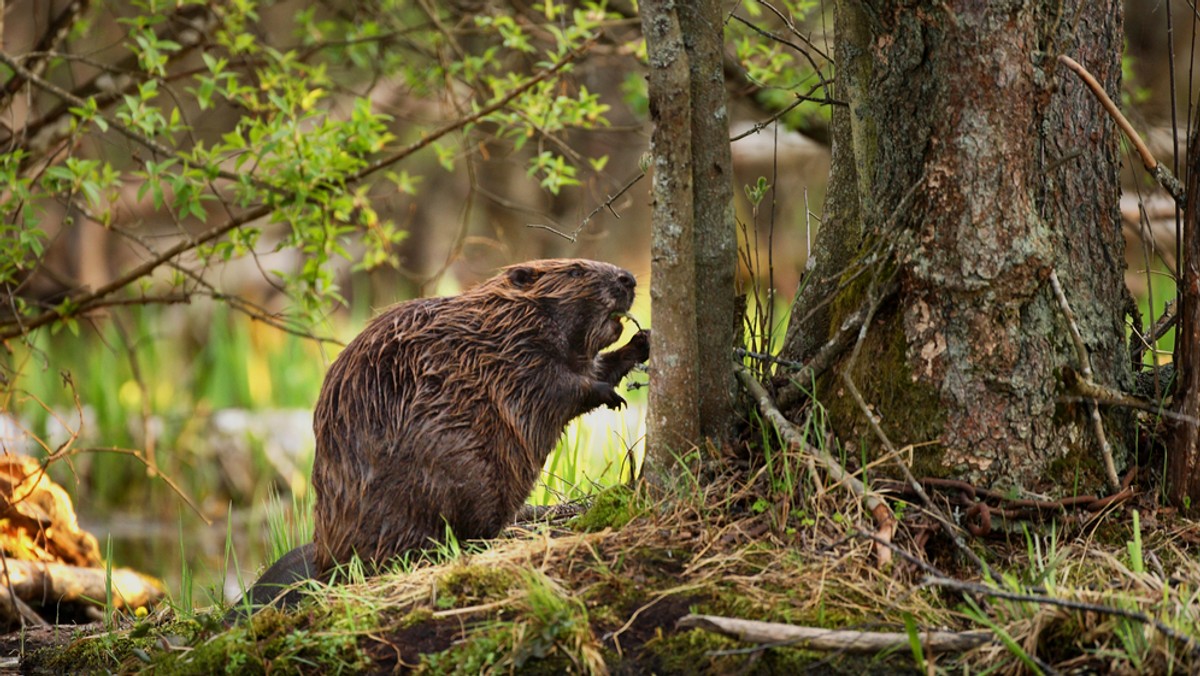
(270, 642)
(465, 585)
(613, 507)
(591, 602)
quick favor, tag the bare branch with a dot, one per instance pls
(1161, 174)
(606, 204)
(1085, 367)
(879, 510)
(840, 640)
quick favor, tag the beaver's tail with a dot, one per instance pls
(277, 586)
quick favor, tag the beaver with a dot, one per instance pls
(442, 412)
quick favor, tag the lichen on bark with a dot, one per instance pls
(960, 106)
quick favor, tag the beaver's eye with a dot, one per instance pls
(575, 272)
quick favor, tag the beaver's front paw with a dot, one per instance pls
(639, 346)
(604, 394)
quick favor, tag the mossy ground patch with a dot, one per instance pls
(608, 600)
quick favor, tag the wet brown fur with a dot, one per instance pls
(443, 410)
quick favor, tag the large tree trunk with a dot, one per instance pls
(986, 168)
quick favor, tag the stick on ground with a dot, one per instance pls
(841, 640)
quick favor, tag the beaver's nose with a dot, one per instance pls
(627, 280)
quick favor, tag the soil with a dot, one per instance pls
(14, 645)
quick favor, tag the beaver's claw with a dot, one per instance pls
(639, 345)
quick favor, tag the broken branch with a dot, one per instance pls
(879, 510)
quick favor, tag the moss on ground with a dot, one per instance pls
(271, 642)
(611, 601)
(614, 507)
(465, 585)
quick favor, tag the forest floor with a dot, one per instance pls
(607, 593)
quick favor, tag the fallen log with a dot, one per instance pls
(16, 613)
(45, 585)
(828, 640)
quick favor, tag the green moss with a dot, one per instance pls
(697, 651)
(271, 642)
(129, 647)
(911, 412)
(493, 650)
(414, 617)
(471, 584)
(88, 654)
(613, 508)
(481, 653)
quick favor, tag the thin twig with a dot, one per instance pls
(606, 204)
(827, 354)
(1160, 173)
(791, 26)
(137, 455)
(879, 509)
(799, 99)
(54, 34)
(947, 525)
(1085, 368)
(1191, 643)
(799, 50)
(1157, 330)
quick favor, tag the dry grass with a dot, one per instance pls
(556, 600)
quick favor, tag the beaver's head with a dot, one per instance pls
(585, 298)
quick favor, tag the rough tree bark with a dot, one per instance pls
(1183, 476)
(673, 419)
(1010, 171)
(694, 249)
(715, 238)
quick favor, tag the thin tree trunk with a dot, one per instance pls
(1183, 477)
(982, 168)
(716, 314)
(672, 421)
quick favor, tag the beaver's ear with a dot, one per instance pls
(522, 277)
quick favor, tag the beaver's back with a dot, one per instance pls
(442, 411)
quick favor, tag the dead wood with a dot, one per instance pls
(841, 640)
(45, 585)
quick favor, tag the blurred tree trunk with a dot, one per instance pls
(982, 168)
(694, 254)
(1183, 477)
